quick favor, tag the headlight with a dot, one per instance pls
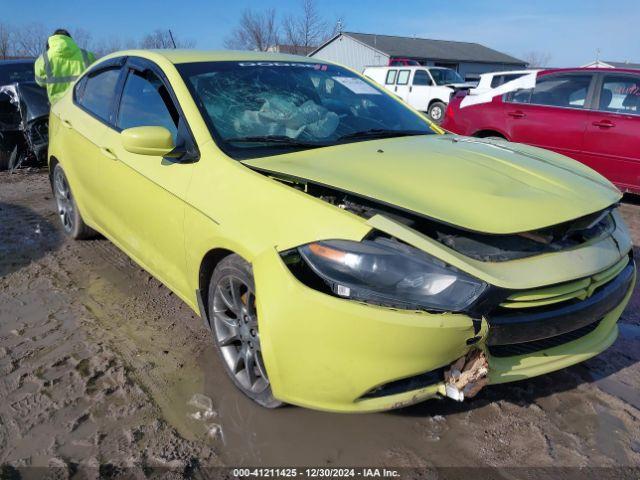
(384, 271)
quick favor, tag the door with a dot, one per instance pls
(612, 142)
(420, 91)
(152, 189)
(390, 79)
(553, 114)
(85, 127)
(402, 83)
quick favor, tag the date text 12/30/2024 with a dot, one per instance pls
(320, 472)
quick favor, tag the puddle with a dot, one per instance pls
(257, 436)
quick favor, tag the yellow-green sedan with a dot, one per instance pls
(346, 253)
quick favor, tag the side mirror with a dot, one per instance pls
(156, 141)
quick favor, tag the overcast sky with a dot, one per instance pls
(569, 30)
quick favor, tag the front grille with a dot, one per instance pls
(518, 331)
(577, 289)
(538, 345)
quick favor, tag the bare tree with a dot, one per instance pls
(83, 38)
(112, 44)
(31, 39)
(157, 39)
(6, 41)
(536, 59)
(162, 39)
(309, 29)
(255, 31)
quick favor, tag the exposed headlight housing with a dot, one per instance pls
(387, 272)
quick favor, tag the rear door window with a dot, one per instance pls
(146, 102)
(620, 94)
(403, 77)
(563, 90)
(96, 92)
(391, 77)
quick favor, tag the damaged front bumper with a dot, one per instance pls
(342, 355)
(333, 354)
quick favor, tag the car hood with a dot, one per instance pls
(475, 184)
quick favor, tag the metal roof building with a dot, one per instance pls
(359, 50)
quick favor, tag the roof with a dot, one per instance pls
(611, 64)
(635, 66)
(191, 56)
(411, 47)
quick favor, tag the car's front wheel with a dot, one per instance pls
(436, 112)
(72, 222)
(234, 322)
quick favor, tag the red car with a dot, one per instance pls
(591, 115)
(402, 62)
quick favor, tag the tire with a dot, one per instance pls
(234, 324)
(72, 223)
(436, 112)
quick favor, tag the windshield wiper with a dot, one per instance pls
(380, 133)
(274, 139)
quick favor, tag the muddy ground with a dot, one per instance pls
(99, 364)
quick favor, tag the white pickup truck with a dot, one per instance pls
(426, 89)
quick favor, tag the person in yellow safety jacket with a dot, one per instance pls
(60, 64)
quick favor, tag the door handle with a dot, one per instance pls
(604, 124)
(517, 114)
(66, 123)
(108, 153)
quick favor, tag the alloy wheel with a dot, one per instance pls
(236, 332)
(64, 200)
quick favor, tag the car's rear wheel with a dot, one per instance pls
(72, 222)
(436, 112)
(234, 322)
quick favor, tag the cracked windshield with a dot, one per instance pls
(256, 107)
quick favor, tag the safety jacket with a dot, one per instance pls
(60, 65)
